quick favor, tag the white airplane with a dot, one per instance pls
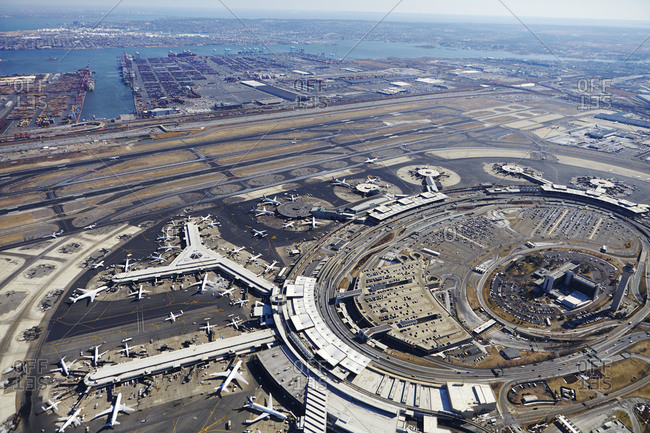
(268, 411)
(287, 225)
(90, 226)
(67, 421)
(65, 368)
(202, 284)
(167, 237)
(214, 224)
(168, 247)
(313, 223)
(138, 293)
(96, 356)
(262, 211)
(293, 197)
(372, 179)
(230, 375)
(340, 182)
(236, 250)
(126, 263)
(114, 410)
(273, 200)
(98, 264)
(90, 294)
(239, 302)
(370, 160)
(260, 233)
(270, 267)
(55, 234)
(253, 258)
(226, 292)
(234, 322)
(157, 258)
(51, 405)
(126, 350)
(205, 218)
(173, 317)
(208, 328)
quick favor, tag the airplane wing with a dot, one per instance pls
(270, 406)
(239, 377)
(221, 374)
(259, 418)
(125, 408)
(106, 412)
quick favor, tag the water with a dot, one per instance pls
(112, 98)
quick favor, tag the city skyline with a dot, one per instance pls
(406, 10)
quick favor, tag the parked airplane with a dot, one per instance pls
(138, 293)
(90, 226)
(270, 267)
(96, 356)
(260, 233)
(65, 367)
(203, 284)
(226, 292)
(126, 263)
(168, 247)
(157, 258)
(98, 264)
(339, 182)
(313, 223)
(239, 302)
(90, 294)
(55, 234)
(293, 197)
(262, 211)
(234, 322)
(268, 411)
(51, 405)
(167, 237)
(214, 224)
(67, 421)
(205, 218)
(273, 200)
(114, 410)
(372, 179)
(208, 328)
(370, 160)
(287, 225)
(173, 317)
(230, 375)
(236, 250)
(253, 258)
(126, 350)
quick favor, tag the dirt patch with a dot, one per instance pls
(334, 164)
(266, 180)
(40, 271)
(305, 171)
(226, 189)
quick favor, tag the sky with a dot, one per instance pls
(606, 10)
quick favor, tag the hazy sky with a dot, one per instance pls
(568, 9)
